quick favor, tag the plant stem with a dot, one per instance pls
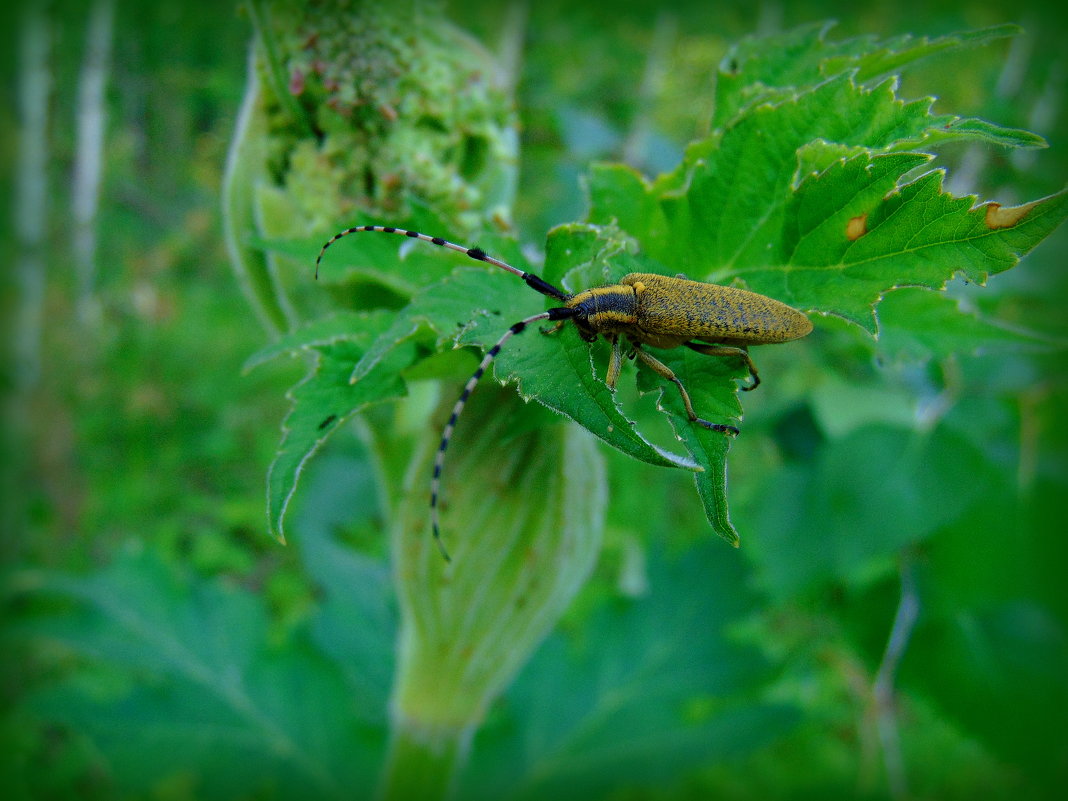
(422, 765)
(908, 610)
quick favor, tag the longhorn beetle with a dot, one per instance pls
(642, 309)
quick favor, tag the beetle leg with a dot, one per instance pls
(615, 364)
(552, 329)
(729, 350)
(664, 371)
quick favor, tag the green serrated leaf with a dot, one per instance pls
(402, 329)
(404, 265)
(815, 157)
(730, 212)
(925, 235)
(444, 307)
(558, 371)
(577, 254)
(917, 236)
(562, 376)
(816, 229)
(950, 128)
(326, 330)
(324, 400)
(766, 69)
(772, 69)
(876, 60)
(711, 383)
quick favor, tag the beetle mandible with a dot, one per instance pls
(642, 309)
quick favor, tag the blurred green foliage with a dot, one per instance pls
(159, 645)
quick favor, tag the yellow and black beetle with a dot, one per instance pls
(642, 309)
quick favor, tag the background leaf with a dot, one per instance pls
(200, 693)
(586, 715)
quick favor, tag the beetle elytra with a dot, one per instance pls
(642, 309)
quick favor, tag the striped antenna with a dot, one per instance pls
(533, 281)
(478, 254)
(563, 313)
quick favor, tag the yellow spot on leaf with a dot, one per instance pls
(998, 216)
(857, 227)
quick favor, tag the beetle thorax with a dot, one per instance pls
(606, 309)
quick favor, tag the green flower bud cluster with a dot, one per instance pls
(371, 106)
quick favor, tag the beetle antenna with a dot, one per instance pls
(562, 313)
(478, 254)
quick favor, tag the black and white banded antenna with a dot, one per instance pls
(478, 254)
(533, 281)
